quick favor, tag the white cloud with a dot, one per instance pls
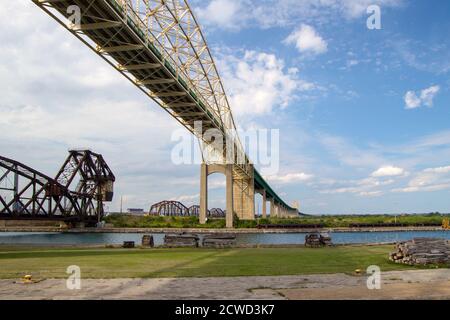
(362, 187)
(349, 154)
(352, 62)
(257, 82)
(388, 171)
(430, 179)
(373, 182)
(271, 13)
(370, 193)
(307, 40)
(430, 188)
(290, 178)
(411, 100)
(438, 170)
(187, 198)
(357, 8)
(427, 95)
(222, 13)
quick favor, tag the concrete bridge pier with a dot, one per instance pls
(264, 201)
(272, 208)
(240, 194)
(264, 206)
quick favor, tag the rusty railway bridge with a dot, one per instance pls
(76, 194)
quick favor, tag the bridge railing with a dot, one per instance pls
(153, 38)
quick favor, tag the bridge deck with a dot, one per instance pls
(116, 34)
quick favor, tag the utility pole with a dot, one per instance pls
(121, 202)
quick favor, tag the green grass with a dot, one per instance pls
(346, 220)
(130, 221)
(186, 262)
(127, 221)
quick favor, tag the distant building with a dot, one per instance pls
(135, 211)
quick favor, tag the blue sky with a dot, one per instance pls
(363, 114)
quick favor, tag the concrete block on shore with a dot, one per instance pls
(181, 240)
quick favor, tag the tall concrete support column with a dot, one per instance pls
(264, 204)
(206, 170)
(203, 193)
(244, 197)
(250, 213)
(272, 208)
(229, 196)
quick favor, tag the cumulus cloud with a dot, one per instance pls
(290, 178)
(388, 171)
(258, 82)
(430, 179)
(427, 95)
(438, 170)
(222, 13)
(307, 40)
(412, 100)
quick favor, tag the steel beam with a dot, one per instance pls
(155, 81)
(95, 26)
(112, 49)
(143, 66)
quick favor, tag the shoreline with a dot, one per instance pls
(214, 231)
(163, 247)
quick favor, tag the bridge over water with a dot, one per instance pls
(159, 46)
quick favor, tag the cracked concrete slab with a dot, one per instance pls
(411, 284)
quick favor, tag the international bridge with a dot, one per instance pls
(159, 46)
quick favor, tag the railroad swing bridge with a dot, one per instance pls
(159, 46)
(76, 194)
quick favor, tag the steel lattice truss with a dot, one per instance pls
(169, 208)
(159, 46)
(27, 192)
(194, 210)
(81, 186)
(176, 208)
(89, 177)
(216, 213)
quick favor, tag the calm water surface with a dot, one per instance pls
(263, 238)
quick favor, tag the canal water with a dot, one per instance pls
(260, 238)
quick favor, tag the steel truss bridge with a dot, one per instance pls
(159, 46)
(76, 194)
(176, 208)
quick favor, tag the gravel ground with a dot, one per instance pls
(412, 284)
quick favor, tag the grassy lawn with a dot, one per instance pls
(137, 263)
